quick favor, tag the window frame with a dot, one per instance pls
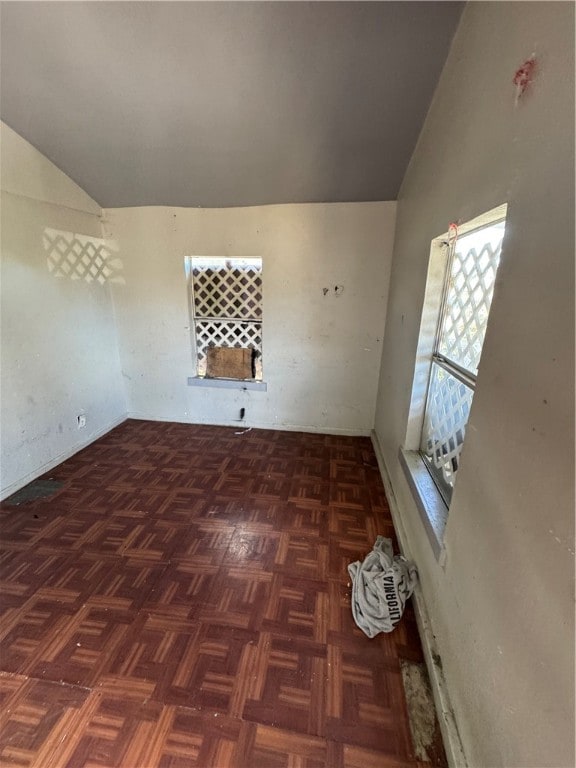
(429, 502)
(197, 318)
(465, 377)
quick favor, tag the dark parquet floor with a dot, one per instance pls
(183, 601)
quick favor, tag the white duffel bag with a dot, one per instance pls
(381, 585)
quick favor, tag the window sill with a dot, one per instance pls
(243, 385)
(431, 506)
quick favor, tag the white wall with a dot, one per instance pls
(321, 354)
(502, 607)
(59, 351)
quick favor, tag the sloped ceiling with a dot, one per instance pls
(224, 103)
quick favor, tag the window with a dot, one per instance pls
(473, 260)
(226, 308)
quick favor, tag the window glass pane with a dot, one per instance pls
(447, 411)
(229, 288)
(469, 295)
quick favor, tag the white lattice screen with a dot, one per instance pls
(449, 402)
(462, 327)
(227, 306)
(469, 296)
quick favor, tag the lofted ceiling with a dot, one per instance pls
(219, 104)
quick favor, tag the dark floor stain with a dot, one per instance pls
(37, 489)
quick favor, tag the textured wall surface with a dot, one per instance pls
(502, 606)
(59, 351)
(321, 351)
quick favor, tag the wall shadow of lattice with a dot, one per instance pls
(81, 257)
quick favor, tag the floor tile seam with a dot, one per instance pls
(84, 598)
(250, 496)
(68, 551)
(306, 733)
(34, 679)
(153, 612)
(306, 641)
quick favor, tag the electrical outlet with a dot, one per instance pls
(81, 421)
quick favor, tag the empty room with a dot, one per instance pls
(287, 384)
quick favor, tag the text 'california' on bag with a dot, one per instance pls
(381, 585)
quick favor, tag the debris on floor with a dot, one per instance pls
(424, 728)
(381, 585)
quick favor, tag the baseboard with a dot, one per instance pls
(16, 485)
(452, 742)
(243, 425)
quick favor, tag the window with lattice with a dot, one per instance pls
(467, 295)
(226, 304)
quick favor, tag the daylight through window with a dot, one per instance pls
(469, 286)
(226, 304)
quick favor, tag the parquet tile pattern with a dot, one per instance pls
(183, 601)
